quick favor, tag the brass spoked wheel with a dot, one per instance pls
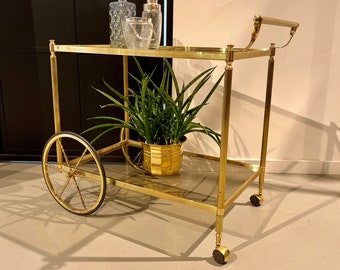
(75, 176)
(132, 151)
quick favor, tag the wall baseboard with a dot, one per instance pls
(301, 166)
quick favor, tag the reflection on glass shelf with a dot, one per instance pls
(197, 180)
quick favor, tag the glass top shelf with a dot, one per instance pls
(204, 53)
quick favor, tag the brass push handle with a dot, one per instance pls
(273, 21)
(259, 20)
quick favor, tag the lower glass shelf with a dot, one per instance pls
(195, 185)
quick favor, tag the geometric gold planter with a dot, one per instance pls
(162, 160)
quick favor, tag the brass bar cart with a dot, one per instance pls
(79, 183)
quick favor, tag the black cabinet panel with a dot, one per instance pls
(34, 22)
(93, 69)
(92, 21)
(20, 102)
(26, 112)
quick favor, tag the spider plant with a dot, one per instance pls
(154, 114)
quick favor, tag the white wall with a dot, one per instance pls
(305, 120)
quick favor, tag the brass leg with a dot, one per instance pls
(257, 199)
(126, 131)
(221, 254)
(55, 96)
(126, 90)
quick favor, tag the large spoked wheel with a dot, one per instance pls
(132, 151)
(77, 179)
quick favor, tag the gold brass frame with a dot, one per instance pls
(229, 55)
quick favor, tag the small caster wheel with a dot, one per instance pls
(256, 199)
(221, 255)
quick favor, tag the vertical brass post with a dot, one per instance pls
(224, 144)
(126, 91)
(55, 96)
(265, 131)
(55, 88)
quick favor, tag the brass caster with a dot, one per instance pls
(221, 255)
(256, 199)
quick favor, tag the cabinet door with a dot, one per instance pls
(26, 116)
(25, 87)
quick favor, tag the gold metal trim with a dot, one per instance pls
(239, 191)
(203, 53)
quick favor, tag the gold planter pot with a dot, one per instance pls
(162, 160)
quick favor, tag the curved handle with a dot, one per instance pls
(259, 20)
(274, 21)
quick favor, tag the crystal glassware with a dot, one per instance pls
(119, 11)
(152, 11)
(137, 32)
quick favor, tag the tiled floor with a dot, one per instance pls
(297, 227)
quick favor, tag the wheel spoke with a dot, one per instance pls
(64, 188)
(64, 153)
(81, 158)
(79, 192)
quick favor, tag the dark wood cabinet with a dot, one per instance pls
(26, 117)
